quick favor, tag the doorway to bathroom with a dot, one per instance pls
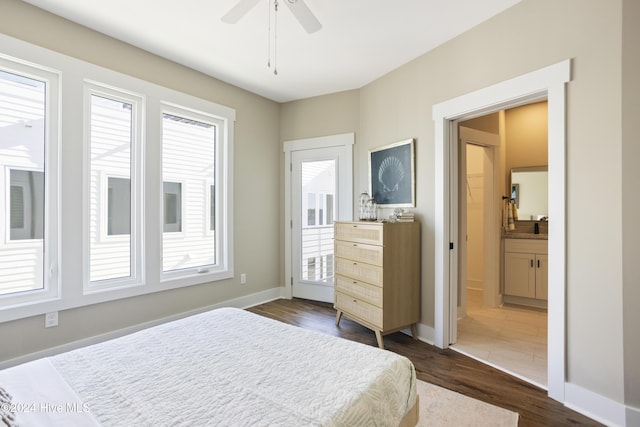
(490, 327)
(545, 83)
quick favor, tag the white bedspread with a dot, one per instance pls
(229, 367)
(41, 397)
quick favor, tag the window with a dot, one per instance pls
(118, 206)
(172, 207)
(123, 139)
(311, 209)
(329, 210)
(318, 268)
(189, 143)
(113, 140)
(319, 208)
(16, 209)
(28, 237)
(26, 205)
(22, 116)
(317, 232)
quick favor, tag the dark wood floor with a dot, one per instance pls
(445, 368)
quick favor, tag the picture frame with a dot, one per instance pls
(392, 174)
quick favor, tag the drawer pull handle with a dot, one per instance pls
(355, 300)
(355, 263)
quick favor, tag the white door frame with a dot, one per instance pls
(548, 82)
(345, 196)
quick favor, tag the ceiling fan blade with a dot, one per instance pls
(238, 11)
(304, 15)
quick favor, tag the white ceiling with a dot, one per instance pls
(360, 40)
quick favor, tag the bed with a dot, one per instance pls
(224, 367)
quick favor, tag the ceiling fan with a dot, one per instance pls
(298, 7)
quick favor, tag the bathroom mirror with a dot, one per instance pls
(529, 190)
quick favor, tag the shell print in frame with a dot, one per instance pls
(391, 174)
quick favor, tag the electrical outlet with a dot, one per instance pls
(51, 319)
(243, 279)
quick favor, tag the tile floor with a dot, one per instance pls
(511, 338)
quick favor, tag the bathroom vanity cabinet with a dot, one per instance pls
(525, 270)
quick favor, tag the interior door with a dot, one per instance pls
(315, 206)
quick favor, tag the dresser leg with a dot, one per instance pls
(338, 317)
(379, 338)
(414, 331)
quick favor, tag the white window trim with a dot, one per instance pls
(12, 304)
(137, 101)
(223, 267)
(65, 124)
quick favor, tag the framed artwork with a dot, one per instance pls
(392, 175)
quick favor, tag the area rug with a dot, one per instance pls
(442, 407)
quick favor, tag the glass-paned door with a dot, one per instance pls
(315, 187)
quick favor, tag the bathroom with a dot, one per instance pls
(502, 303)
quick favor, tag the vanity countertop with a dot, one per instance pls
(520, 235)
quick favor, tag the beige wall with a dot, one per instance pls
(487, 123)
(631, 202)
(527, 37)
(320, 116)
(526, 136)
(256, 181)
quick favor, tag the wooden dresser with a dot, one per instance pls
(377, 275)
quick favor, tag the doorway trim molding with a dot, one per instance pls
(345, 140)
(549, 83)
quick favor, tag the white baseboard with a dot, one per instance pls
(633, 416)
(595, 406)
(240, 302)
(426, 333)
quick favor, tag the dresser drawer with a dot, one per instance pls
(360, 232)
(362, 291)
(360, 309)
(359, 252)
(359, 270)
